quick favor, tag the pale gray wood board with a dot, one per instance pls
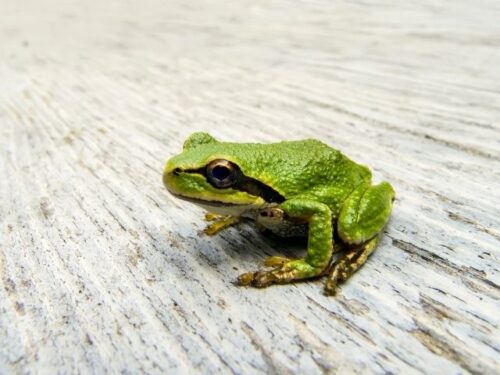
(101, 271)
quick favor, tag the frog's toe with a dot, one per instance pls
(284, 274)
(219, 223)
(245, 279)
(214, 228)
(262, 279)
(275, 261)
(276, 276)
(209, 216)
(331, 286)
(258, 279)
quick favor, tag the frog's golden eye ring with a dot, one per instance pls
(222, 173)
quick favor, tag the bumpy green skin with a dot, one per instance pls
(319, 184)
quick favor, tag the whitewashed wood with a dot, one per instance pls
(101, 271)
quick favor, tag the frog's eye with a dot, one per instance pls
(222, 173)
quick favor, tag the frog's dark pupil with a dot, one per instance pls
(220, 172)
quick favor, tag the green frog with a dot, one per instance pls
(291, 188)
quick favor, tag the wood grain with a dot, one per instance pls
(101, 271)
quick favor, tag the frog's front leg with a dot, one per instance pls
(219, 223)
(362, 218)
(319, 247)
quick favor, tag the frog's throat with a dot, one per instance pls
(249, 185)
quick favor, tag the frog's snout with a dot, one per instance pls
(169, 173)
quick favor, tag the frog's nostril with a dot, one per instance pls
(177, 171)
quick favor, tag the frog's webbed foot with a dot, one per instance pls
(219, 223)
(349, 263)
(288, 271)
(261, 279)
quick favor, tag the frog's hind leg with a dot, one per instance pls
(349, 263)
(362, 218)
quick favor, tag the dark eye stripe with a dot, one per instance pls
(257, 188)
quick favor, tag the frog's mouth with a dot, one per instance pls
(222, 208)
(204, 202)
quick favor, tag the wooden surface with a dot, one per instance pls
(101, 271)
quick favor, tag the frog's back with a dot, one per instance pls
(305, 167)
(325, 174)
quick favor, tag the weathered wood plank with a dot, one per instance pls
(102, 271)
